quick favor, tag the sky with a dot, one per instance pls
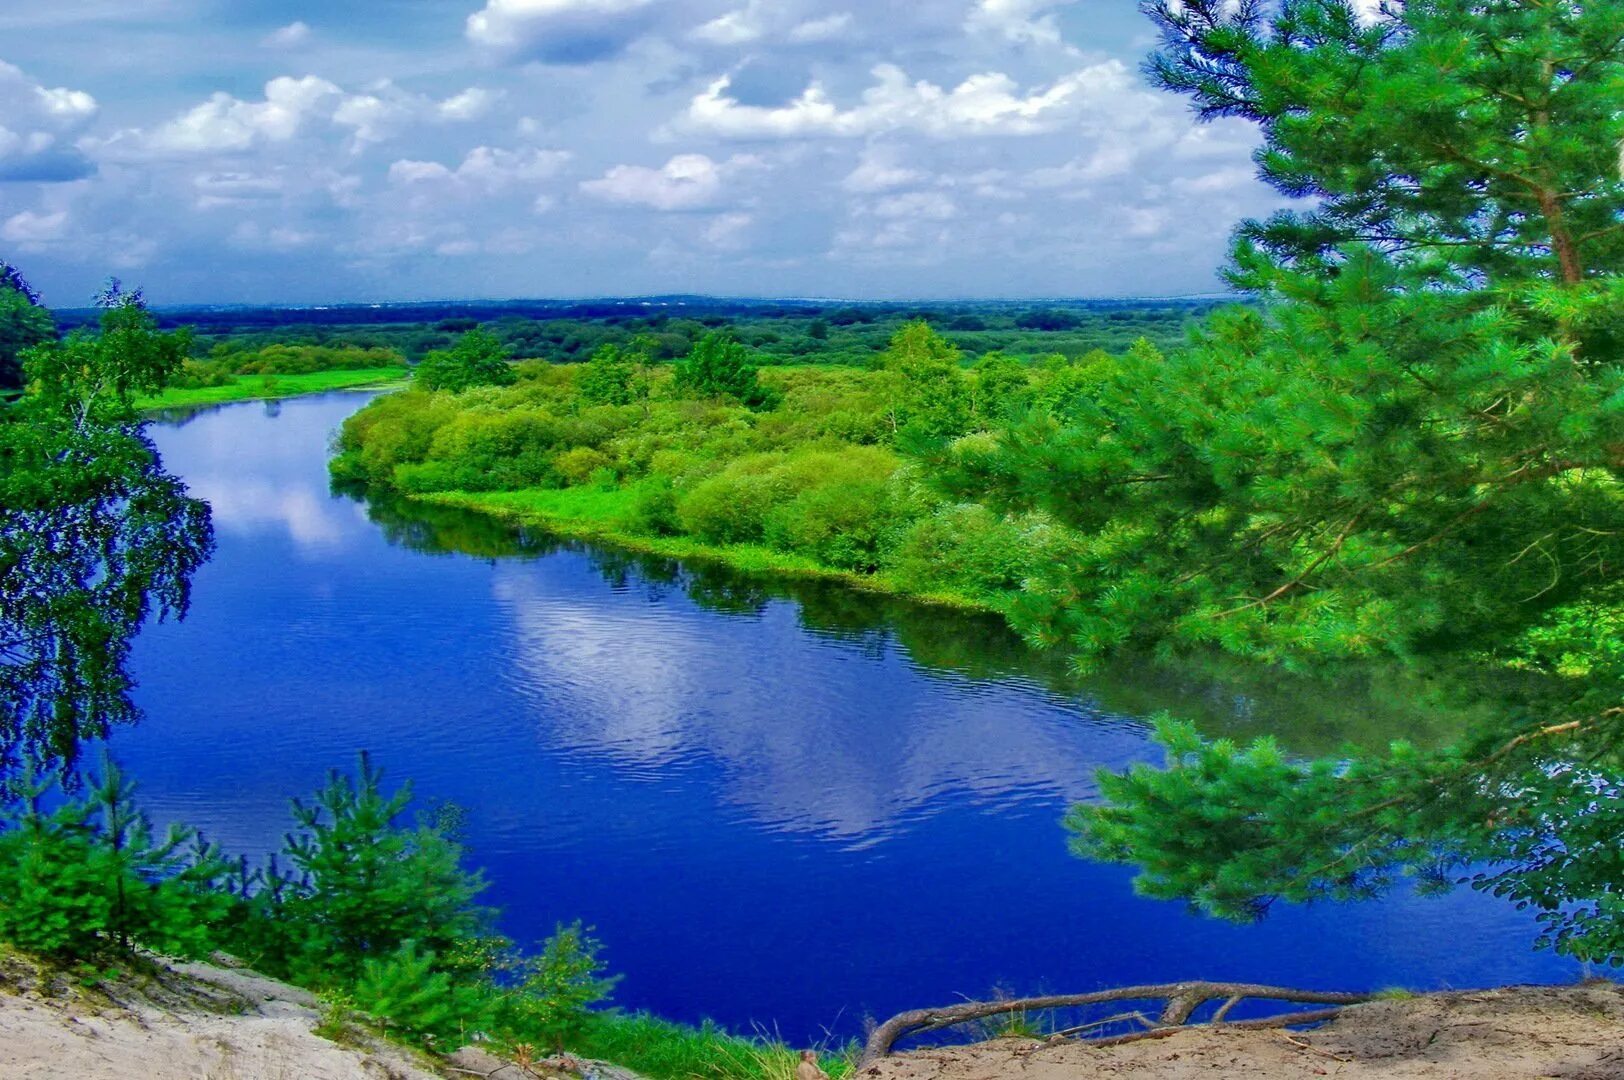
(313, 151)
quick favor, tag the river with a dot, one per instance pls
(783, 807)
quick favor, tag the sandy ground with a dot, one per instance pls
(201, 1022)
(197, 1023)
(1571, 1033)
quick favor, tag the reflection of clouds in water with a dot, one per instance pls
(259, 476)
(815, 735)
(312, 519)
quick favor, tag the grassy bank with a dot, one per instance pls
(262, 387)
(663, 1050)
(604, 514)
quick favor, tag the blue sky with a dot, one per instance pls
(293, 151)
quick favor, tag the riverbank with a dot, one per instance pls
(599, 515)
(272, 387)
(178, 1022)
(1513, 1033)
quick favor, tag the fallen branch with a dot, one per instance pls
(1183, 1000)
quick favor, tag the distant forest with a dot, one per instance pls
(777, 332)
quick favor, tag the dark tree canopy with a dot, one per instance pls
(23, 324)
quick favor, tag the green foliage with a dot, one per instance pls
(477, 359)
(407, 995)
(366, 885)
(931, 396)
(662, 1050)
(617, 376)
(1414, 450)
(23, 324)
(87, 876)
(94, 535)
(558, 988)
(225, 363)
(719, 367)
(90, 380)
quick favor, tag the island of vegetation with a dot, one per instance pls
(1408, 449)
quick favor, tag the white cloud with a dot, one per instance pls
(686, 182)
(1016, 20)
(558, 31)
(472, 104)
(224, 124)
(38, 125)
(485, 167)
(29, 228)
(990, 103)
(236, 188)
(733, 28)
(291, 107)
(827, 28)
(777, 20)
(916, 206)
(880, 170)
(726, 231)
(294, 33)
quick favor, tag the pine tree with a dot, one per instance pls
(1413, 448)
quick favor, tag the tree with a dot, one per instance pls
(23, 324)
(620, 375)
(84, 874)
(477, 359)
(1414, 450)
(720, 366)
(368, 885)
(94, 535)
(930, 395)
(1000, 387)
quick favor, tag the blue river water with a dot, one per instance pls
(783, 807)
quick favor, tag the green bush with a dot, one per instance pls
(366, 885)
(407, 995)
(557, 989)
(89, 876)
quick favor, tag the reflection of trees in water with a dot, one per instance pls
(1367, 705)
(94, 538)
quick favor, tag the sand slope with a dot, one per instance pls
(194, 1022)
(1571, 1033)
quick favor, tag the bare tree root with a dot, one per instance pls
(1182, 1002)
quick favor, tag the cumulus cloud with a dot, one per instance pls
(686, 182)
(990, 103)
(29, 227)
(38, 126)
(225, 124)
(485, 167)
(472, 104)
(879, 169)
(762, 20)
(727, 231)
(294, 33)
(827, 28)
(559, 31)
(1017, 20)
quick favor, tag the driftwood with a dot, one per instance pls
(1182, 1001)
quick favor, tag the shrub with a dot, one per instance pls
(90, 877)
(409, 996)
(578, 465)
(367, 886)
(558, 988)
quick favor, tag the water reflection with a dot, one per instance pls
(717, 770)
(1367, 706)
